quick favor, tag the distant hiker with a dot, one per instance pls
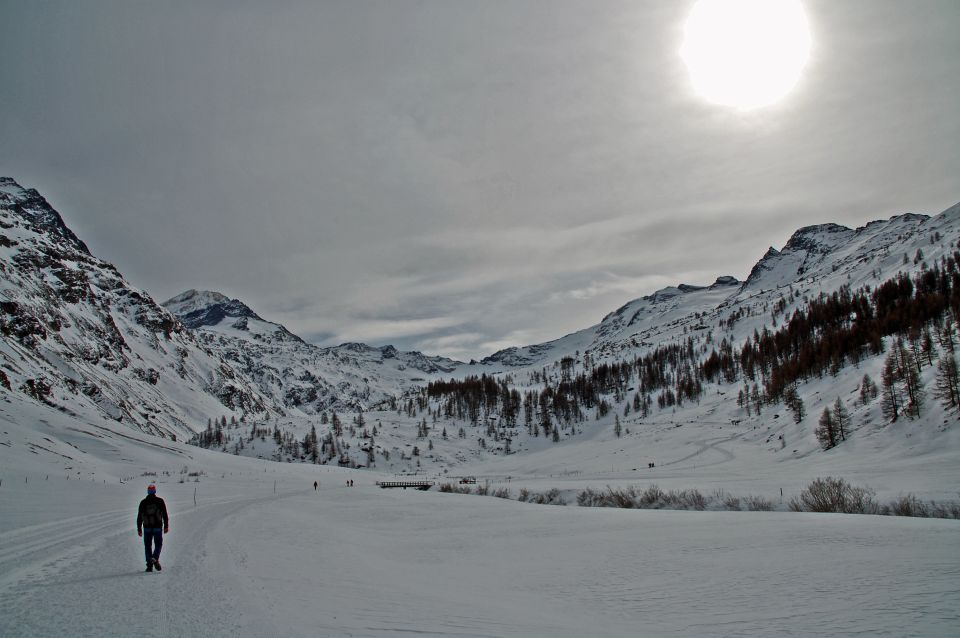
(152, 518)
(314, 486)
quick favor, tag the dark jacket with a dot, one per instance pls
(152, 513)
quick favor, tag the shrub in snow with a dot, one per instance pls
(835, 495)
(759, 504)
(944, 510)
(731, 503)
(454, 489)
(909, 505)
(548, 498)
(690, 499)
(651, 496)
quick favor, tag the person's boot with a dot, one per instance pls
(149, 566)
(156, 563)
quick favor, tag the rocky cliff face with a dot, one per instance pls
(77, 335)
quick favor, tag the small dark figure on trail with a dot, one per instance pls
(152, 524)
(314, 486)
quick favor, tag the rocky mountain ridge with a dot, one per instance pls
(296, 374)
(76, 335)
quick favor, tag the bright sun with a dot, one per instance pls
(745, 53)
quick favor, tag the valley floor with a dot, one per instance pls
(363, 561)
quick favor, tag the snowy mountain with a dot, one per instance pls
(673, 332)
(298, 375)
(91, 369)
(76, 335)
(815, 259)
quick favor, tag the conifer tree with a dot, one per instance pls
(890, 399)
(794, 403)
(826, 431)
(756, 398)
(947, 388)
(947, 341)
(336, 425)
(928, 349)
(912, 383)
(868, 390)
(841, 419)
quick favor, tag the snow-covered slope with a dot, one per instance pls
(254, 551)
(296, 374)
(815, 259)
(77, 335)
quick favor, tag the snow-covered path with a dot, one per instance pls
(368, 562)
(84, 576)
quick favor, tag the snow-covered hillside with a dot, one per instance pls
(77, 335)
(253, 550)
(815, 259)
(301, 376)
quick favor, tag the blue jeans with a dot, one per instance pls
(152, 535)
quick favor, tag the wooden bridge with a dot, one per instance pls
(416, 485)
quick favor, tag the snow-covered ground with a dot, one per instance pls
(368, 562)
(262, 554)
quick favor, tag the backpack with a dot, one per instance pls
(151, 515)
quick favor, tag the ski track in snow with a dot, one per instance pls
(708, 445)
(83, 576)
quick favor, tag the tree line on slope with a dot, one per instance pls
(821, 337)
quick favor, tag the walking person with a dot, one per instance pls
(152, 524)
(314, 486)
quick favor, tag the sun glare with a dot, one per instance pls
(745, 53)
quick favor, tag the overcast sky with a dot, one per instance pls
(457, 176)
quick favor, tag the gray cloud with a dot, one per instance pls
(457, 176)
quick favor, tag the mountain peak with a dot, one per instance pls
(31, 207)
(819, 237)
(726, 280)
(198, 308)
